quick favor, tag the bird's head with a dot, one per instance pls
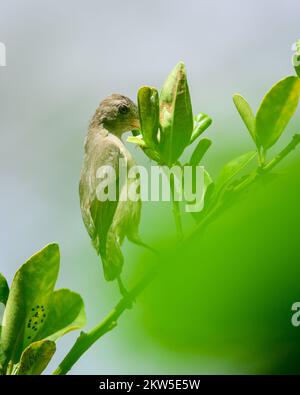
(117, 114)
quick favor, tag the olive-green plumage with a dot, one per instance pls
(109, 222)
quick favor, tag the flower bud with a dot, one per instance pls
(176, 116)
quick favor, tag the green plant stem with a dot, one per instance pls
(278, 158)
(86, 340)
(261, 157)
(176, 210)
(270, 165)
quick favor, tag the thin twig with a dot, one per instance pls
(176, 210)
(86, 340)
(278, 158)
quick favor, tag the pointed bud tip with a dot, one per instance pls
(180, 67)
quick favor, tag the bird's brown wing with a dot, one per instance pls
(98, 215)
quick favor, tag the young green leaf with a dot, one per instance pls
(36, 357)
(246, 114)
(176, 116)
(232, 168)
(148, 106)
(136, 140)
(276, 110)
(4, 290)
(200, 151)
(65, 313)
(201, 123)
(151, 153)
(27, 302)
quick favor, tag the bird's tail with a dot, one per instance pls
(111, 257)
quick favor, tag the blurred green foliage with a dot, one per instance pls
(228, 292)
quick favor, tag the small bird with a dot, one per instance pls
(109, 222)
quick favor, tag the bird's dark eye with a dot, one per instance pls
(123, 109)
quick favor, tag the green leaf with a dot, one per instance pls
(36, 357)
(4, 289)
(28, 299)
(151, 153)
(136, 140)
(176, 115)
(201, 123)
(231, 169)
(65, 313)
(276, 110)
(200, 151)
(148, 106)
(246, 114)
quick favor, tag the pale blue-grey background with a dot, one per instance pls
(63, 57)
